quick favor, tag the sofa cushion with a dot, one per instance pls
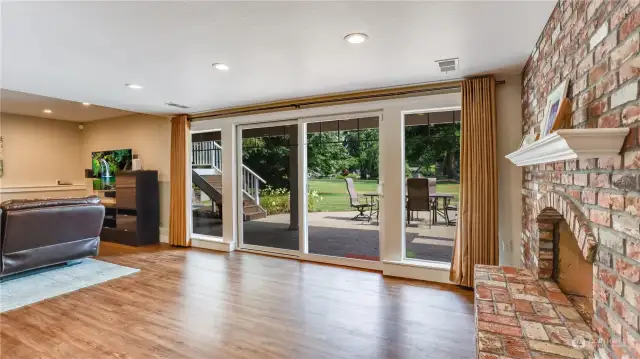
(14, 205)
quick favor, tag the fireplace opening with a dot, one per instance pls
(563, 261)
(572, 272)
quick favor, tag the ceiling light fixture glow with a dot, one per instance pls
(86, 104)
(134, 86)
(221, 66)
(46, 110)
(356, 38)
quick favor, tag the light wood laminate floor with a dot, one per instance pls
(190, 303)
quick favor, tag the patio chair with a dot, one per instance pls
(432, 185)
(418, 199)
(354, 200)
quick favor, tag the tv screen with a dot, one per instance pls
(107, 164)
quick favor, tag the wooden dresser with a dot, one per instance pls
(134, 217)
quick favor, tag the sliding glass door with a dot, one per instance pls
(268, 186)
(371, 185)
(342, 163)
(309, 188)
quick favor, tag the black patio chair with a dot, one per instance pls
(418, 198)
(354, 200)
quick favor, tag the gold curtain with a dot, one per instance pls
(178, 235)
(477, 233)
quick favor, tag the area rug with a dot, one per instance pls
(54, 281)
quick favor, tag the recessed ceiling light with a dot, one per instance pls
(86, 104)
(134, 86)
(220, 66)
(46, 110)
(356, 38)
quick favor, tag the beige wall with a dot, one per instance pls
(39, 151)
(509, 131)
(148, 136)
(40, 193)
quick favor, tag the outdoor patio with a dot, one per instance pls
(335, 234)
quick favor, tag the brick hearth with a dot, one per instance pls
(519, 316)
(592, 44)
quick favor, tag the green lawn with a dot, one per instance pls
(335, 198)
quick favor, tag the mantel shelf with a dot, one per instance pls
(565, 145)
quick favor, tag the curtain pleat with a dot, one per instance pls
(178, 226)
(476, 239)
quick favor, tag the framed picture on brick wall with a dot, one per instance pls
(555, 103)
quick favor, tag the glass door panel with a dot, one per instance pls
(206, 199)
(342, 180)
(268, 175)
(432, 170)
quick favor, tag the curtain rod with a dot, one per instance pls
(336, 99)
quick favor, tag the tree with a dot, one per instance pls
(363, 147)
(433, 150)
(326, 155)
(269, 158)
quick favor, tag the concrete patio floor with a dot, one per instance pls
(335, 234)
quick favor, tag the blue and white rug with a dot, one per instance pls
(55, 281)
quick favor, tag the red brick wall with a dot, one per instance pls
(592, 43)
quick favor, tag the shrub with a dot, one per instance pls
(276, 200)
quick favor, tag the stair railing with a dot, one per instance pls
(209, 153)
(251, 184)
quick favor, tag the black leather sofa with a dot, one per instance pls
(40, 233)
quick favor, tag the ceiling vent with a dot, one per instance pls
(448, 65)
(173, 104)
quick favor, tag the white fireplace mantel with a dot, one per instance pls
(565, 145)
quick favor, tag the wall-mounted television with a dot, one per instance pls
(107, 164)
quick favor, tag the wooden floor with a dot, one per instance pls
(190, 303)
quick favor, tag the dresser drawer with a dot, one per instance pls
(126, 198)
(124, 181)
(126, 222)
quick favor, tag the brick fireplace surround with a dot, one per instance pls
(522, 313)
(592, 44)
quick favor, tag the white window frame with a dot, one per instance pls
(392, 229)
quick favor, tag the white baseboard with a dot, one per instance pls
(207, 242)
(404, 270)
(164, 235)
(340, 261)
(200, 241)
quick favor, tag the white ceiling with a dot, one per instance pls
(21, 103)
(88, 51)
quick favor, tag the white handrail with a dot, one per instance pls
(253, 174)
(250, 180)
(216, 158)
(217, 146)
(207, 153)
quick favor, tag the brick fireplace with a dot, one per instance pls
(594, 44)
(565, 251)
